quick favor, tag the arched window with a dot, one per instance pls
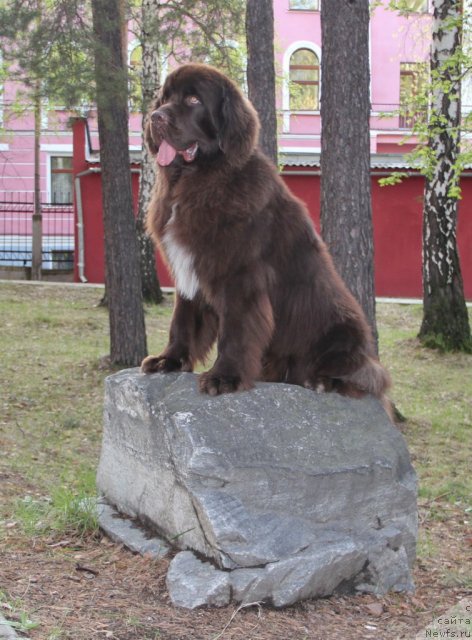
(413, 80)
(135, 70)
(136, 57)
(304, 81)
(417, 6)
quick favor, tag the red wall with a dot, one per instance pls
(397, 217)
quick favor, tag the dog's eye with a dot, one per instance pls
(192, 100)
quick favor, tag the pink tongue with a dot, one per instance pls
(166, 154)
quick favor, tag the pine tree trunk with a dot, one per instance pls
(126, 315)
(37, 222)
(346, 211)
(150, 81)
(445, 319)
(261, 72)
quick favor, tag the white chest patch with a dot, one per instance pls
(181, 261)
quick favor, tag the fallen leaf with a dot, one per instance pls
(375, 609)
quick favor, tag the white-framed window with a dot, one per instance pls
(60, 179)
(304, 5)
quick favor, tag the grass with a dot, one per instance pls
(434, 391)
(54, 340)
(15, 608)
(64, 512)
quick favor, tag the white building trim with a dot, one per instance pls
(300, 149)
(57, 149)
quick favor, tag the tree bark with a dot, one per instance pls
(445, 320)
(346, 211)
(150, 81)
(126, 315)
(37, 222)
(261, 72)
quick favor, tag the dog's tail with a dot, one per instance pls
(372, 378)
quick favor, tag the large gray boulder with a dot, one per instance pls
(289, 494)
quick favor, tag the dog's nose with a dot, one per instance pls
(159, 117)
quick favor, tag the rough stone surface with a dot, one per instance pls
(297, 494)
(6, 631)
(192, 583)
(125, 531)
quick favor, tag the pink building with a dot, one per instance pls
(398, 47)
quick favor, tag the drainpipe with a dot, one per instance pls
(80, 218)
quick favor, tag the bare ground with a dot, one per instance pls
(93, 588)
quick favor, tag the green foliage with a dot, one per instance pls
(394, 178)
(211, 31)
(46, 45)
(406, 7)
(423, 99)
(202, 30)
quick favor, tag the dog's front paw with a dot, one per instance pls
(214, 383)
(164, 364)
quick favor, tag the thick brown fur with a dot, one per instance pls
(265, 286)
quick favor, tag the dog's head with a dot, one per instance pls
(200, 113)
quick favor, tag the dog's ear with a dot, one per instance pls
(238, 130)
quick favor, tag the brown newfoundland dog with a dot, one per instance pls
(249, 268)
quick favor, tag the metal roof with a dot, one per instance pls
(387, 161)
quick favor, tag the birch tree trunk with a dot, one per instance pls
(150, 82)
(445, 320)
(346, 210)
(125, 308)
(261, 71)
